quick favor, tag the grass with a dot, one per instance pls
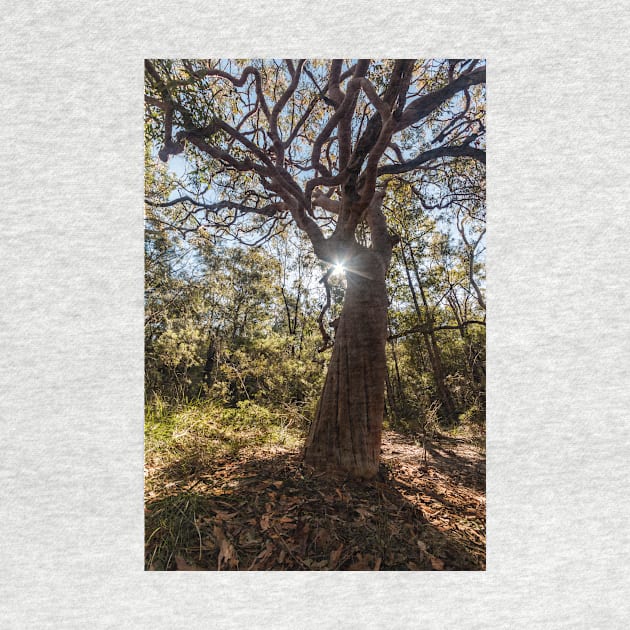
(181, 443)
(206, 429)
(225, 489)
(171, 525)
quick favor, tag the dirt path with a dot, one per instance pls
(260, 510)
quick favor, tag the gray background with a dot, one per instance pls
(71, 315)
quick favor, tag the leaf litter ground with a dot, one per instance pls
(260, 510)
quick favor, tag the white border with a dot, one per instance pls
(71, 314)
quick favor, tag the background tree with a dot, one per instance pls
(316, 144)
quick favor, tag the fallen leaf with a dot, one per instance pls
(182, 565)
(363, 513)
(227, 554)
(301, 536)
(248, 539)
(362, 563)
(422, 545)
(264, 521)
(437, 564)
(262, 557)
(225, 516)
(334, 557)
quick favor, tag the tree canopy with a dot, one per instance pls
(309, 140)
(364, 158)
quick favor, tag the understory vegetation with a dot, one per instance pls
(243, 333)
(235, 362)
(226, 490)
(315, 314)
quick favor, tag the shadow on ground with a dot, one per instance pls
(260, 510)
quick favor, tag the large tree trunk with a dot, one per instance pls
(346, 433)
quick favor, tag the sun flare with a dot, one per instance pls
(338, 269)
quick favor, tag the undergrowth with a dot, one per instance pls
(208, 419)
(183, 441)
(189, 437)
(225, 490)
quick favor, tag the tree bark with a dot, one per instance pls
(210, 366)
(345, 436)
(392, 405)
(447, 405)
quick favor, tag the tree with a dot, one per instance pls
(315, 144)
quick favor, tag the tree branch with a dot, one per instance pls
(270, 210)
(463, 150)
(320, 319)
(429, 329)
(421, 107)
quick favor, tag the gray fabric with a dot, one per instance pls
(71, 381)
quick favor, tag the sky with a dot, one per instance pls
(177, 165)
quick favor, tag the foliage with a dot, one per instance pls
(191, 435)
(260, 175)
(283, 155)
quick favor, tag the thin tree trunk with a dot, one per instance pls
(209, 368)
(448, 404)
(391, 397)
(430, 342)
(476, 372)
(346, 433)
(398, 391)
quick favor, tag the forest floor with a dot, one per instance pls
(258, 509)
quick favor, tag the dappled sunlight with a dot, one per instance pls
(257, 507)
(315, 273)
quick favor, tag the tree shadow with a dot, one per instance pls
(462, 470)
(261, 510)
